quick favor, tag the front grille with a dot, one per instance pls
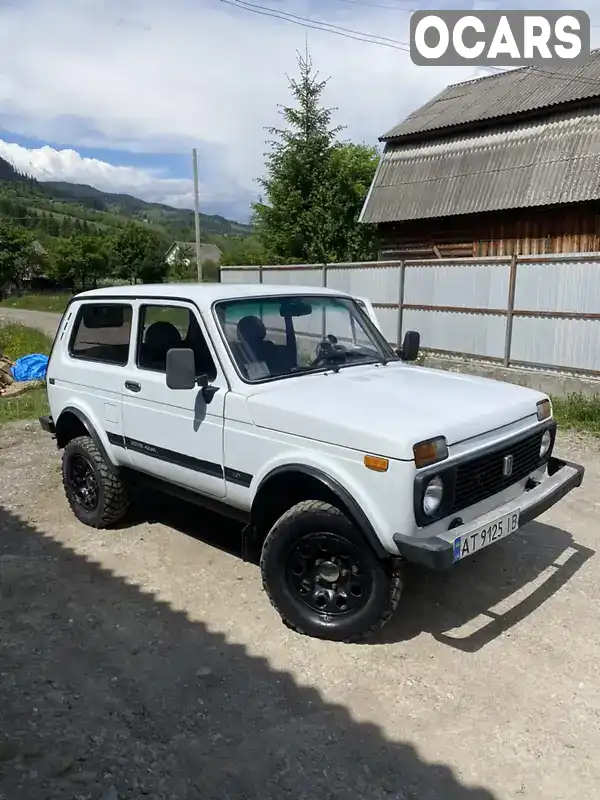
(481, 478)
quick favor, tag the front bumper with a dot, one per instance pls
(47, 424)
(437, 552)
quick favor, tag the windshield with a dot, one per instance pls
(273, 337)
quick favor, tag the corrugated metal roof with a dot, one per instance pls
(514, 92)
(531, 164)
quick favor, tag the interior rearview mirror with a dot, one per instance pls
(107, 316)
(295, 308)
(410, 346)
(181, 368)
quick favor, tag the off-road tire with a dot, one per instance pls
(113, 497)
(314, 516)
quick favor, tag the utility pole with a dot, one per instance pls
(197, 214)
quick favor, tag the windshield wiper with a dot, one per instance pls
(371, 356)
(339, 360)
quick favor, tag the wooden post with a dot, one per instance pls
(512, 285)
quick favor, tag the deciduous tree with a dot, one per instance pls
(138, 255)
(18, 255)
(81, 260)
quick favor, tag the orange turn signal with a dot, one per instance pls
(430, 452)
(544, 410)
(376, 463)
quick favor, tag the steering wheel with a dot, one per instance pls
(326, 350)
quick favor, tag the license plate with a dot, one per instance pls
(470, 543)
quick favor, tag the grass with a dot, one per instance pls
(578, 412)
(29, 405)
(17, 341)
(55, 303)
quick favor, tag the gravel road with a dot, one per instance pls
(146, 662)
(43, 320)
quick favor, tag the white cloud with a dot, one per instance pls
(47, 163)
(155, 76)
(50, 164)
(165, 76)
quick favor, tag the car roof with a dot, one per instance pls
(205, 294)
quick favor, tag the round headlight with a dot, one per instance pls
(432, 496)
(546, 443)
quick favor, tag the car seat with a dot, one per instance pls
(160, 337)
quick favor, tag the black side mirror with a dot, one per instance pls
(181, 373)
(181, 368)
(410, 346)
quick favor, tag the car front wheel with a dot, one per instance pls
(323, 578)
(96, 494)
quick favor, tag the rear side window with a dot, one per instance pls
(102, 332)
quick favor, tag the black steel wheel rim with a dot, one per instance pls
(83, 483)
(328, 574)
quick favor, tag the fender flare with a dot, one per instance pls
(87, 424)
(334, 486)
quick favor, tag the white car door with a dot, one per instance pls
(174, 434)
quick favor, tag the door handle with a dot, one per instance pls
(132, 386)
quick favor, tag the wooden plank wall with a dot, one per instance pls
(539, 231)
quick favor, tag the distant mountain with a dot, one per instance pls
(178, 221)
(9, 173)
(55, 210)
(132, 207)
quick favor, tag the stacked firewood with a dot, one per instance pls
(6, 379)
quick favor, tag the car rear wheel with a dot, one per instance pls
(96, 494)
(323, 578)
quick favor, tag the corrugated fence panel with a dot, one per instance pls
(388, 320)
(472, 334)
(240, 275)
(477, 285)
(377, 284)
(553, 286)
(568, 285)
(569, 343)
(293, 277)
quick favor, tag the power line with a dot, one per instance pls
(361, 36)
(557, 75)
(569, 78)
(290, 17)
(327, 27)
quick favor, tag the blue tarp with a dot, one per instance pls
(30, 368)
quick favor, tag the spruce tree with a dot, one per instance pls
(296, 165)
(315, 185)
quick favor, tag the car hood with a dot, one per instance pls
(386, 409)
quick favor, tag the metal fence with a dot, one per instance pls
(534, 311)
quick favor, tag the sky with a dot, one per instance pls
(116, 94)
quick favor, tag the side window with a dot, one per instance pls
(165, 327)
(102, 332)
